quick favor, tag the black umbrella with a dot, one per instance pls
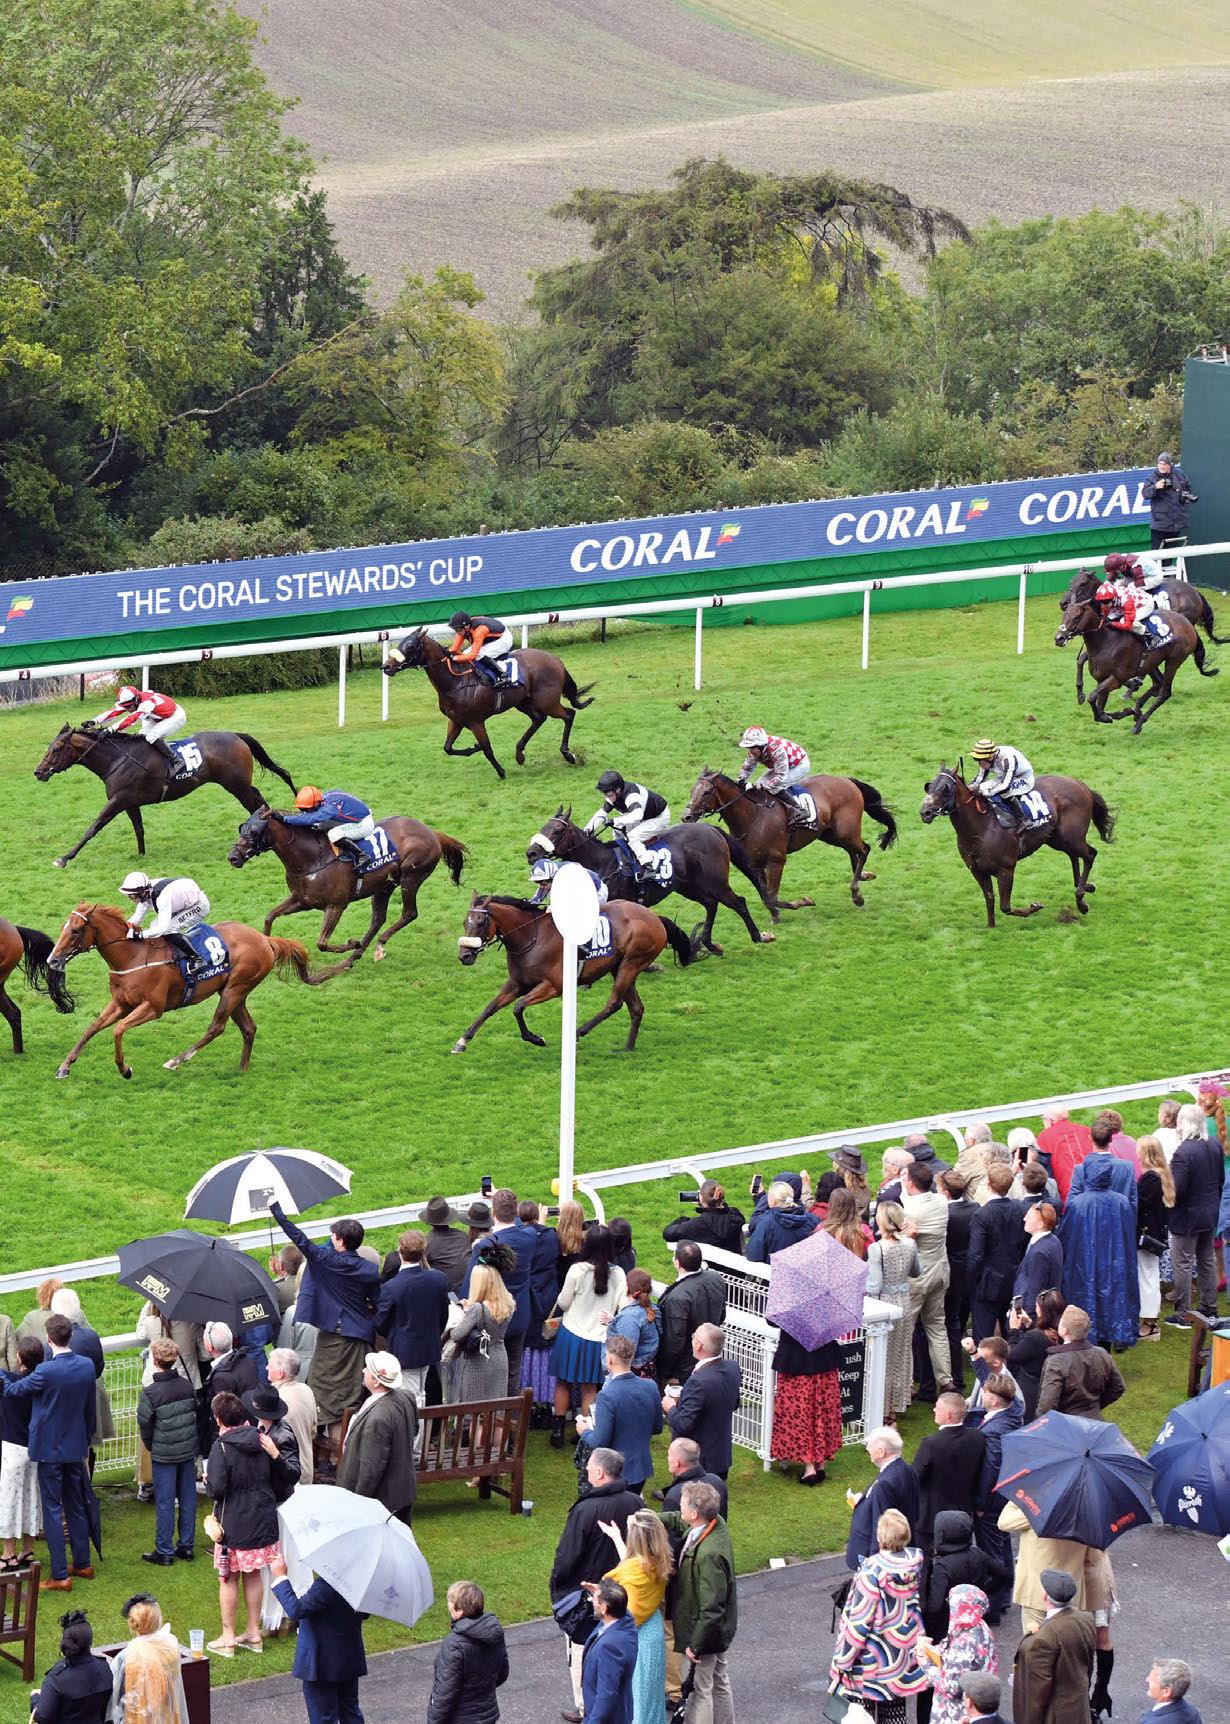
(193, 1279)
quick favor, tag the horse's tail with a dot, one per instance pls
(1205, 621)
(1199, 654)
(745, 865)
(37, 949)
(1103, 818)
(266, 760)
(680, 945)
(873, 807)
(455, 854)
(291, 959)
(572, 694)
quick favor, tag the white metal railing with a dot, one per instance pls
(1019, 572)
(122, 1376)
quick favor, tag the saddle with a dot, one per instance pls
(211, 957)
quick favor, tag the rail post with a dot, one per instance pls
(698, 655)
(341, 686)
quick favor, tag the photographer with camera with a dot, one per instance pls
(1169, 494)
(713, 1223)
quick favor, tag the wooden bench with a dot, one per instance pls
(483, 1440)
(18, 1616)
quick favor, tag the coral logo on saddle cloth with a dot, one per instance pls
(1036, 807)
(599, 944)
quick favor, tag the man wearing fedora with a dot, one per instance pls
(1053, 1667)
(448, 1249)
(378, 1452)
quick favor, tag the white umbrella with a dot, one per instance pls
(355, 1544)
(246, 1185)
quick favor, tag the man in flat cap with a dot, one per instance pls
(1053, 1668)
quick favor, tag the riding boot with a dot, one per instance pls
(184, 952)
(557, 1433)
(169, 755)
(1100, 1701)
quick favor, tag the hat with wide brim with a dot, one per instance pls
(478, 1216)
(850, 1160)
(385, 1367)
(264, 1403)
(438, 1212)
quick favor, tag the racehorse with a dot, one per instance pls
(26, 946)
(320, 880)
(1116, 656)
(534, 948)
(758, 822)
(1182, 599)
(134, 774)
(467, 701)
(991, 851)
(145, 979)
(700, 864)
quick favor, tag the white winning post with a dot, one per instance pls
(341, 686)
(384, 681)
(574, 910)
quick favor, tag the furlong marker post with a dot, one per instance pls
(574, 910)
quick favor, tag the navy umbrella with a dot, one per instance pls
(193, 1279)
(1191, 1463)
(1078, 1479)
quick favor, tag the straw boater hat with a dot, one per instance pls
(386, 1369)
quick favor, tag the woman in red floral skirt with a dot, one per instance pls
(806, 1407)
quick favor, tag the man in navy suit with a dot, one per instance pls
(338, 1298)
(329, 1655)
(896, 1487)
(61, 1424)
(609, 1657)
(625, 1414)
(1042, 1265)
(411, 1313)
(522, 1241)
(708, 1401)
(1167, 1686)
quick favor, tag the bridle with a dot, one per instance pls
(86, 919)
(709, 780)
(495, 936)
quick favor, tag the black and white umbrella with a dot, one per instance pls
(243, 1188)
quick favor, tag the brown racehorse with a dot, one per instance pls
(134, 774)
(145, 979)
(27, 946)
(991, 851)
(320, 880)
(467, 701)
(1181, 598)
(758, 821)
(1116, 656)
(534, 948)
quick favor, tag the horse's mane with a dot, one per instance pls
(515, 903)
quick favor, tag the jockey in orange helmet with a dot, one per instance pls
(341, 817)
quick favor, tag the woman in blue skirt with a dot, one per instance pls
(643, 1570)
(592, 1288)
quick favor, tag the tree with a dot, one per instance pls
(916, 446)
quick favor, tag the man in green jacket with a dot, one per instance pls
(166, 1419)
(705, 1613)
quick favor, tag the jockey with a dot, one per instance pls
(636, 813)
(178, 905)
(787, 764)
(158, 716)
(1004, 775)
(341, 817)
(543, 871)
(1128, 607)
(480, 641)
(1122, 570)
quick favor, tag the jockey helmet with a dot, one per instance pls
(128, 696)
(460, 620)
(755, 736)
(544, 868)
(309, 797)
(136, 884)
(984, 749)
(1117, 564)
(1106, 594)
(611, 783)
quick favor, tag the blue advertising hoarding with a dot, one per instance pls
(473, 572)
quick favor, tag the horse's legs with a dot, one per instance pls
(705, 937)
(623, 983)
(333, 915)
(454, 731)
(1005, 877)
(731, 899)
(536, 724)
(1088, 856)
(479, 731)
(246, 1025)
(288, 907)
(12, 1016)
(1099, 697)
(144, 1013)
(103, 1021)
(380, 904)
(217, 1024)
(111, 807)
(505, 997)
(984, 882)
(544, 990)
(409, 911)
(1145, 711)
(569, 717)
(858, 852)
(1082, 659)
(138, 826)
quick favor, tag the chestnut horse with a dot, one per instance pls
(27, 946)
(321, 880)
(1116, 657)
(991, 851)
(135, 775)
(758, 821)
(534, 948)
(145, 979)
(467, 701)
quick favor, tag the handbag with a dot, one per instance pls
(551, 1323)
(1150, 1246)
(574, 1614)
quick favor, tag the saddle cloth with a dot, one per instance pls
(660, 859)
(600, 945)
(190, 755)
(1157, 630)
(213, 959)
(510, 669)
(374, 852)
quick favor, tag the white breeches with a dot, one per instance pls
(644, 829)
(499, 646)
(353, 829)
(154, 729)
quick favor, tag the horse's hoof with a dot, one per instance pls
(1082, 906)
(459, 1046)
(171, 1065)
(866, 876)
(519, 758)
(500, 772)
(378, 955)
(1034, 908)
(537, 1041)
(1088, 887)
(857, 899)
(61, 862)
(125, 1071)
(767, 939)
(63, 1071)
(718, 951)
(569, 757)
(807, 903)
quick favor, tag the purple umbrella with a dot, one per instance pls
(816, 1290)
